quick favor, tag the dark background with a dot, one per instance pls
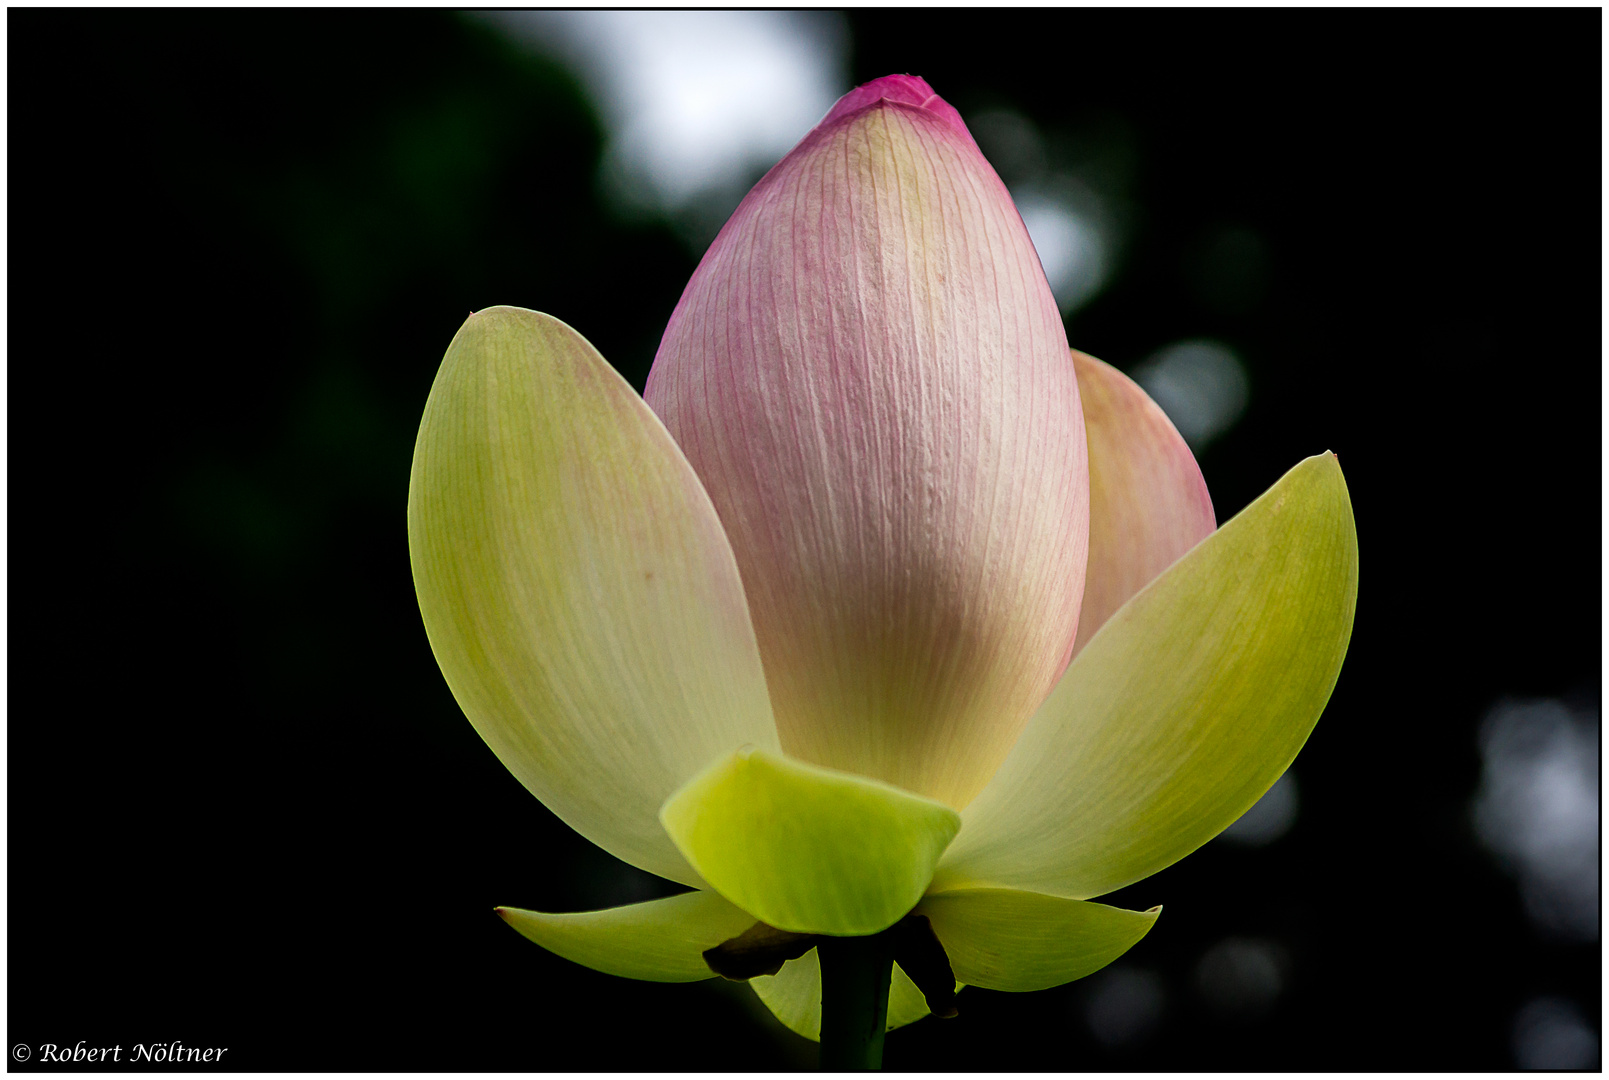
(245, 810)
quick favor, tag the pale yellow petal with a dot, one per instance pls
(576, 586)
(1183, 710)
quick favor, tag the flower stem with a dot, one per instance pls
(854, 1000)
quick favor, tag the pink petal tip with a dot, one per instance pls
(910, 90)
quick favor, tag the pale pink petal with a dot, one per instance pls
(869, 374)
(1147, 501)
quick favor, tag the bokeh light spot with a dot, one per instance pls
(697, 103)
(1200, 384)
(1551, 1033)
(1537, 809)
(1242, 978)
(1069, 224)
(1269, 818)
(1072, 247)
(1124, 1004)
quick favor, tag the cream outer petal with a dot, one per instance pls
(1148, 503)
(1184, 709)
(576, 586)
(870, 375)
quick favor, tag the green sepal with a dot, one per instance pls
(794, 996)
(808, 849)
(1008, 939)
(657, 940)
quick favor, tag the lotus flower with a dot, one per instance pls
(795, 630)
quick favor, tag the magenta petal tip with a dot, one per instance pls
(911, 90)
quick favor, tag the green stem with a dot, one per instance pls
(854, 1000)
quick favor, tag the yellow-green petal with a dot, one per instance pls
(1185, 707)
(808, 849)
(658, 940)
(1007, 939)
(576, 586)
(794, 996)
